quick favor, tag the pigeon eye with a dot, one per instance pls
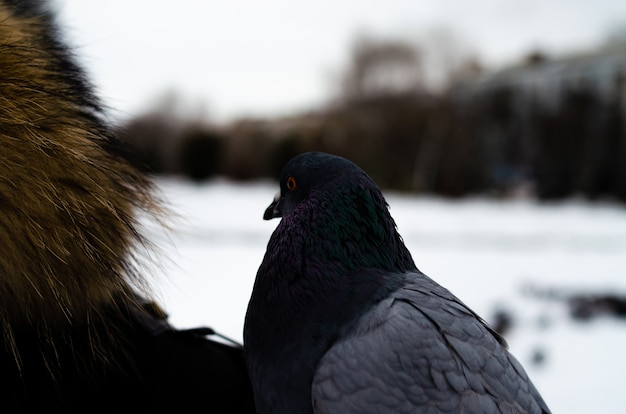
(291, 183)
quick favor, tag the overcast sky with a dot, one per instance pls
(266, 58)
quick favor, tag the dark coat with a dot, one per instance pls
(152, 367)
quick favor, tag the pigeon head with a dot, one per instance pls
(329, 198)
(312, 171)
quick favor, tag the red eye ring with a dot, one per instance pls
(291, 183)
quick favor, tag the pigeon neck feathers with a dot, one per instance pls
(336, 216)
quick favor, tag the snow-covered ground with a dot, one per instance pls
(489, 253)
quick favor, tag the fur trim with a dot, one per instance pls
(69, 232)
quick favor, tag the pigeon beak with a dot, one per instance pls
(274, 210)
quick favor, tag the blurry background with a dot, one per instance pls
(497, 130)
(460, 98)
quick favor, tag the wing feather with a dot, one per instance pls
(422, 350)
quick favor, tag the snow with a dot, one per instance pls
(489, 253)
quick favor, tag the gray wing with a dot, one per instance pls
(422, 351)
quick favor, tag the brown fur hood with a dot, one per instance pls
(69, 232)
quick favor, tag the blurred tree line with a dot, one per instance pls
(552, 128)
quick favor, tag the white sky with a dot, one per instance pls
(265, 58)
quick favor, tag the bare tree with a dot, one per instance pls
(380, 68)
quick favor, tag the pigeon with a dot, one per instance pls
(340, 319)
